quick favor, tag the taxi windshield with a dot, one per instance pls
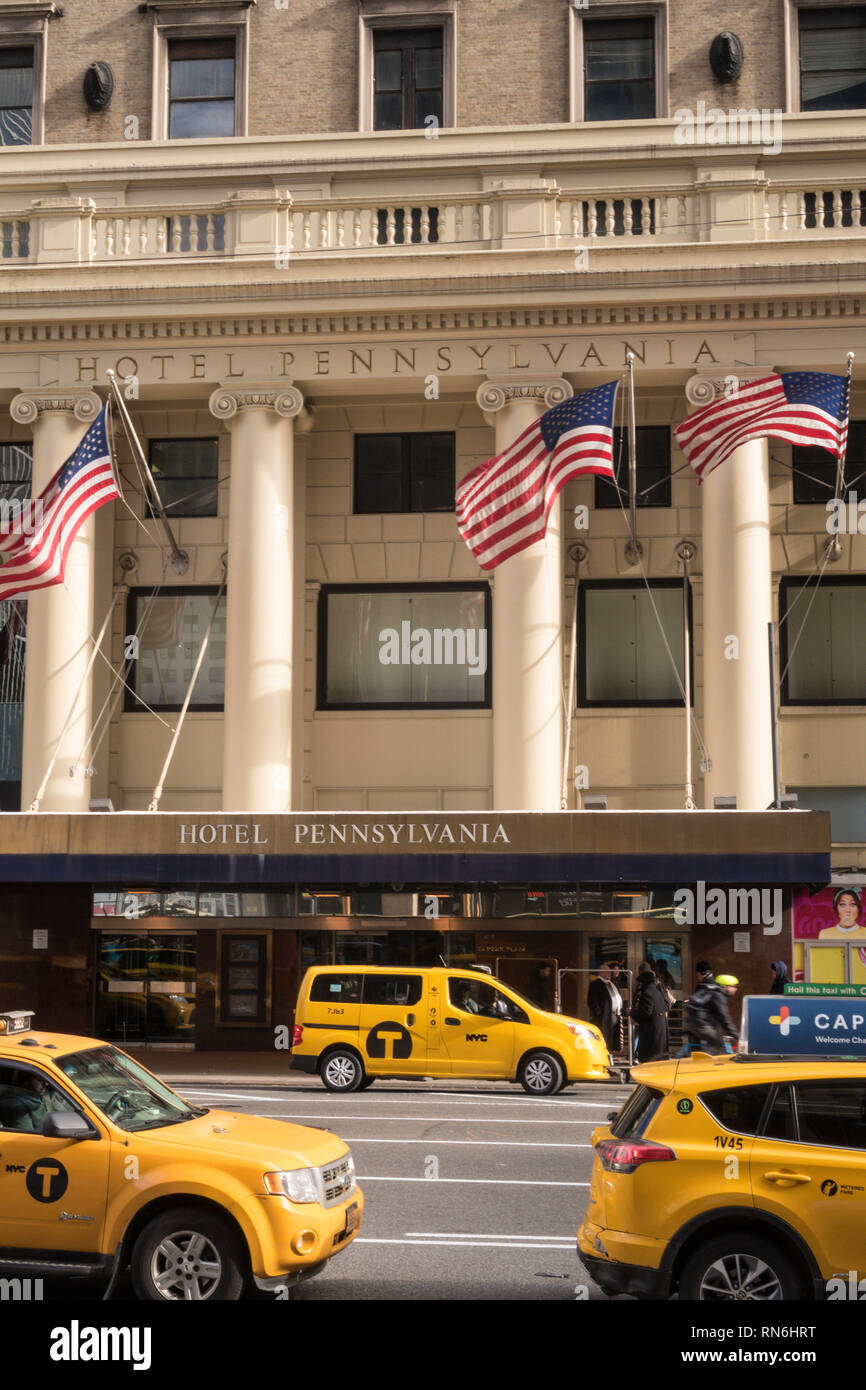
(125, 1093)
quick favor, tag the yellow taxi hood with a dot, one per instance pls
(278, 1145)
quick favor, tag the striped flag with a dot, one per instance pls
(503, 505)
(85, 482)
(800, 407)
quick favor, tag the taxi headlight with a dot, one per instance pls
(586, 1035)
(299, 1185)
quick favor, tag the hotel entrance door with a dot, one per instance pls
(145, 988)
(667, 953)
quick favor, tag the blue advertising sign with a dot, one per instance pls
(803, 1026)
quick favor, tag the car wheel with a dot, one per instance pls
(187, 1255)
(740, 1267)
(341, 1071)
(541, 1074)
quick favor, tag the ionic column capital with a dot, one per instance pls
(498, 391)
(27, 406)
(705, 387)
(283, 398)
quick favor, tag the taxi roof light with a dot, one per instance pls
(16, 1021)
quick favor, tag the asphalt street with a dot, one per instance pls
(471, 1192)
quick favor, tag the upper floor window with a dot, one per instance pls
(169, 631)
(653, 469)
(815, 470)
(623, 659)
(619, 69)
(185, 472)
(16, 96)
(833, 58)
(404, 472)
(407, 78)
(201, 88)
(828, 664)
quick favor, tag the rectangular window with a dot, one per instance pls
(16, 96)
(201, 88)
(833, 58)
(392, 989)
(185, 471)
(340, 989)
(622, 658)
(421, 645)
(619, 69)
(737, 1108)
(653, 469)
(815, 469)
(164, 637)
(828, 663)
(832, 1113)
(244, 979)
(407, 78)
(404, 472)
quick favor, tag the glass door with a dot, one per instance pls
(146, 985)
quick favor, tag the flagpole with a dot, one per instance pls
(686, 552)
(774, 715)
(632, 464)
(834, 543)
(179, 558)
(579, 553)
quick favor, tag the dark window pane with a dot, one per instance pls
(635, 1115)
(379, 473)
(185, 471)
(815, 469)
(199, 120)
(780, 1122)
(833, 58)
(619, 69)
(653, 469)
(392, 989)
(389, 70)
(407, 69)
(431, 478)
(828, 665)
(170, 631)
(428, 68)
(738, 1108)
(832, 1113)
(620, 101)
(16, 86)
(404, 472)
(341, 989)
(16, 58)
(388, 111)
(198, 78)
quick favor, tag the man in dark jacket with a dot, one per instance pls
(780, 977)
(707, 1018)
(604, 1002)
(649, 1012)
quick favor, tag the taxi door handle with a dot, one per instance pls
(454, 1022)
(410, 1019)
(783, 1177)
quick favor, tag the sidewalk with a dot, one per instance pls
(182, 1068)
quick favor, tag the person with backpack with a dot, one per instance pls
(707, 1019)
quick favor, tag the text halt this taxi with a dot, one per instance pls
(356, 1023)
(731, 1178)
(103, 1167)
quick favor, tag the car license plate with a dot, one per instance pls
(353, 1218)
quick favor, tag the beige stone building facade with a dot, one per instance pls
(294, 231)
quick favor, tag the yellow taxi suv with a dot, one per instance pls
(103, 1168)
(731, 1178)
(355, 1024)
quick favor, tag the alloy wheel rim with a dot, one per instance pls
(340, 1071)
(741, 1278)
(185, 1267)
(539, 1074)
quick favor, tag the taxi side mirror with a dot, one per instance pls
(67, 1124)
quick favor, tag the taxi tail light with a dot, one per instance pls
(624, 1156)
(298, 1034)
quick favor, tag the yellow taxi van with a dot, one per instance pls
(356, 1023)
(731, 1178)
(104, 1168)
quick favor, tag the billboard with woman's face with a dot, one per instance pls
(830, 935)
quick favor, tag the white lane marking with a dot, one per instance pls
(429, 1119)
(426, 1099)
(482, 1235)
(474, 1244)
(490, 1182)
(490, 1143)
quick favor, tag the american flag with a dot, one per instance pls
(503, 505)
(83, 483)
(800, 407)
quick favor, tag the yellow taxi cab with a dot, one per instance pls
(732, 1178)
(356, 1023)
(104, 1168)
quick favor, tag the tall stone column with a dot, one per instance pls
(257, 738)
(737, 606)
(59, 619)
(527, 626)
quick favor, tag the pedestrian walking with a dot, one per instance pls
(707, 1018)
(649, 1012)
(604, 1002)
(780, 977)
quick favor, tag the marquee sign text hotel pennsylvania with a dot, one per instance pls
(370, 358)
(344, 833)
